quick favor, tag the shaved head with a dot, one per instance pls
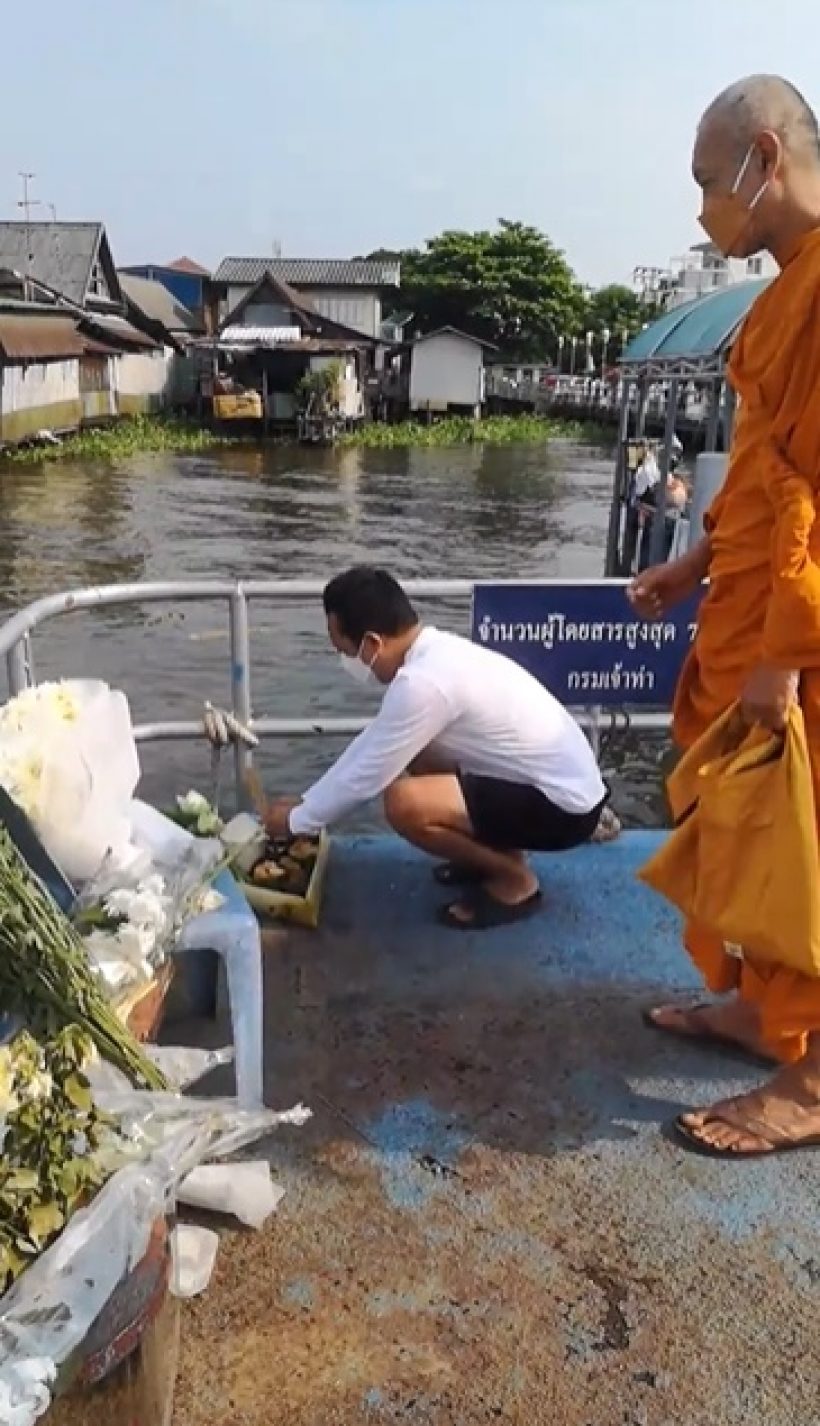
(757, 163)
(762, 103)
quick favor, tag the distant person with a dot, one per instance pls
(647, 492)
(500, 767)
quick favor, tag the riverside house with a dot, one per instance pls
(73, 350)
(269, 344)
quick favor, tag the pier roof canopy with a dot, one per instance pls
(694, 338)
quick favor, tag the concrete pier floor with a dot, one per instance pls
(483, 1221)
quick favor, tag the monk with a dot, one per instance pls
(757, 161)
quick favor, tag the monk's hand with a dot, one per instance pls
(277, 816)
(768, 695)
(659, 589)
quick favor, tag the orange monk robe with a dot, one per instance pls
(763, 602)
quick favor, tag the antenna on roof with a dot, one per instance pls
(276, 248)
(27, 203)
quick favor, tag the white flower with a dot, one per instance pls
(144, 905)
(9, 1101)
(39, 1086)
(193, 803)
(207, 901)
(135, 944)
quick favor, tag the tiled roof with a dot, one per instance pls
(187, 264)
(309, 272)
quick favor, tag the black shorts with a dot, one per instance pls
(510, 816)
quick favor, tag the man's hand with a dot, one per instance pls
(768, 696)
(277, 816)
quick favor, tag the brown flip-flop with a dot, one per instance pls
(707, 1037)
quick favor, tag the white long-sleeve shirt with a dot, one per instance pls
(480, 711)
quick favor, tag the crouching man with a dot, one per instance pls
(499, 766)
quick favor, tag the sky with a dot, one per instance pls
(328, 128)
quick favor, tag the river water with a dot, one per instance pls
(288, 512)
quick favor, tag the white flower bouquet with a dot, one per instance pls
(69, 760)
(129, 930)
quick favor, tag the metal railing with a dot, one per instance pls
(16, 648)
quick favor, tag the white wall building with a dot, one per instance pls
(704, 269)
(447, 371)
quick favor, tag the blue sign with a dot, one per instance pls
(584, 642)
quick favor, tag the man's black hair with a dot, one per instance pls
(369, 601)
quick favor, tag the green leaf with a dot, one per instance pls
(44, 1220)
(76, 1088)
(21, 1181)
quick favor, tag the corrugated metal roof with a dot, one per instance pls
(158, 304)
(39, 338)
(705, 327)
(60, 255)
(309, 272)
(261, 339)
(271, 336)
(119, 331)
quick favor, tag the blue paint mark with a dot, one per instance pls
(403, 1132)
(298, 1293)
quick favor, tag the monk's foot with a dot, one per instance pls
(783, 1114)
(733, 1022)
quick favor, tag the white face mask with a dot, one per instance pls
(360, 672)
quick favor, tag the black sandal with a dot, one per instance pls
(487, 912)
(454, 874)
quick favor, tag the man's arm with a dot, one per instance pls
(413, 714)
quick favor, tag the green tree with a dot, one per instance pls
(616, 308)
(510, 286)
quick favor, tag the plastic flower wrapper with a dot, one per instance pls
(46, 1315)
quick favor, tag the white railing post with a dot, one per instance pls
(17, 668)
(240, 684)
